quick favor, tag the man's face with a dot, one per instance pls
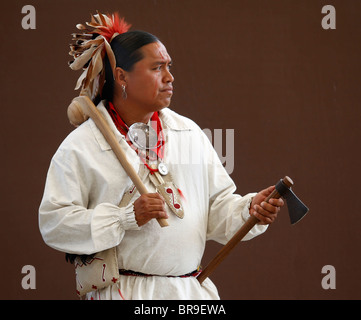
(149, 84)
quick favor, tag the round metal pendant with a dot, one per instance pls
(143, 136)
(162, 169)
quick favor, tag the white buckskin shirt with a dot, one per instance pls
(79, 212)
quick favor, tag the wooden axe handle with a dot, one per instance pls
(240, 234)
(82, 106)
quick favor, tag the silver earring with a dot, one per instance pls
(124, 94)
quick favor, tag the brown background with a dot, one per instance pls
(267, 69)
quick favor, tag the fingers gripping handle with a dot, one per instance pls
(82, 108)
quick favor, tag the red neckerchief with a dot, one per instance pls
(123, 129)
(157, 126)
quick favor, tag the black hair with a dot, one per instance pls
(126, 48)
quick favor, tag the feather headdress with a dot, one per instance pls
(90, 48)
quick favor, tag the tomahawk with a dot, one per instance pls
(296, 209)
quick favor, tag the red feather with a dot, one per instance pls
(117, 25)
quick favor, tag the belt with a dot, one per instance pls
(124, 272)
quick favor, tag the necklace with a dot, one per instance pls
(143, 136)
(145, 139)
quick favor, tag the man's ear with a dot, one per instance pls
(120, 76)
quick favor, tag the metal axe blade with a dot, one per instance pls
(296, 208)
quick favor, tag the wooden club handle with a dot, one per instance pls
(82, 108)
(240, 234)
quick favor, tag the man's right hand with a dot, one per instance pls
(149, 206)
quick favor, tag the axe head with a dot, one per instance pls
(296, 208)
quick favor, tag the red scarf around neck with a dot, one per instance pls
(123, 128)
(157, 126)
